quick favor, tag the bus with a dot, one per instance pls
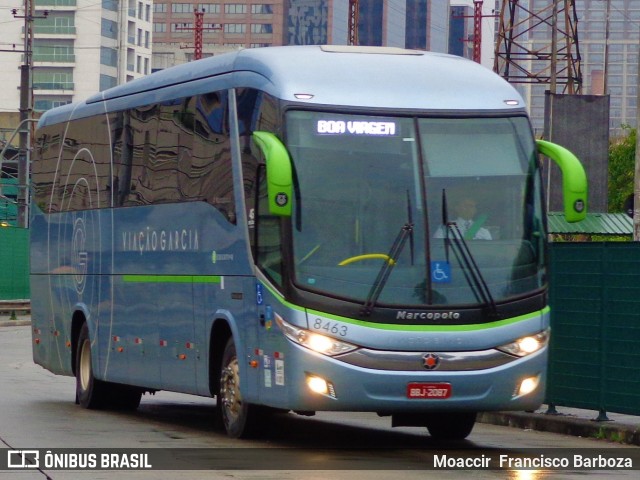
(276, 228)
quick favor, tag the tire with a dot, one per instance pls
(239, 418)
(124, 397)
(451, 425)
(92, 393)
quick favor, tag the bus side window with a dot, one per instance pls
(268, 251)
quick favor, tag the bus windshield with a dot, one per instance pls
(451, 205)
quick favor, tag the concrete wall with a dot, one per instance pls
(581, 124)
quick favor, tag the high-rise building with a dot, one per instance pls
(615, 57)
(79, 48)
(82, 47)
(609, 33)
(419, 24)
(226, 26)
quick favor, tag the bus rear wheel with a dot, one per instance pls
(451, 425)
(90, 392)
(93, 393)
(238, 417)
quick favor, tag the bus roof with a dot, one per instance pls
(367, 77)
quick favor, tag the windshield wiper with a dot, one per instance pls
(410, 222)
(466, 260)
(383, 275)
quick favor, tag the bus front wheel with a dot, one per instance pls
(451, 425)
(237, 416)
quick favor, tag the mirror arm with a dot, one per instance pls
(574, 179)
(279, 172)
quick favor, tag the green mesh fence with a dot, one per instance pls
(14, 263)
(595, 321)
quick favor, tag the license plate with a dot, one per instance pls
(435, 391)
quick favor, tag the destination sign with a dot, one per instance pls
(353, 127)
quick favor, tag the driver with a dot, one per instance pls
(467, 221)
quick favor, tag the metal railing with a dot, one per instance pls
(55, 3)
(53, 29)
(54, 57)
(53, 85)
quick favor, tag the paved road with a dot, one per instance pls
(37, 411)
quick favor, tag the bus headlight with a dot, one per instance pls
(527, 345)
(314, 341)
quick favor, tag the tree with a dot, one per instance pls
(622, 151)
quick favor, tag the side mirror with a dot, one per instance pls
(279, 173)
(574, 180)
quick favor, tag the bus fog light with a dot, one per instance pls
(317, 385)
(528, 385)
(321, 386)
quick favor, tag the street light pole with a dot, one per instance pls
(25, 113)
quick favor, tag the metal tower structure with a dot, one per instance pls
(477, 30)
(197, 29)
(197, 35)
(353, 22)
(537, 43)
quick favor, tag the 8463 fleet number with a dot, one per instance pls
(328, 326)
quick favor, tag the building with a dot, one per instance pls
(609, 34)
(243, 24)
(461, 30)
(615, 58)
(79, 47)
(233, 24)
(73, 58)
(226, 26)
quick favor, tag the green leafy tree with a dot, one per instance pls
(622, 153)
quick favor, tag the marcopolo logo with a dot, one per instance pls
(406, 315)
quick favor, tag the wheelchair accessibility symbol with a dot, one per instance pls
(440, 272)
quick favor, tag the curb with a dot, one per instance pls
(14, 323)
(565, 424)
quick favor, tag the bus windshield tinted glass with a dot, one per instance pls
(362, 180)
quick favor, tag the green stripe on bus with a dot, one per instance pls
(171, 278)
(414, 328)
(434, 328)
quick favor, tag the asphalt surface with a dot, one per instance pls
(577, 422)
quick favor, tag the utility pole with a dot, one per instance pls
(553, 74)
(636, 182)
(477, 30)
(25, 112)
(605, 74)
(354, 9)
(197, 32)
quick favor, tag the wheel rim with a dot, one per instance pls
(230, 391)
(85, 365)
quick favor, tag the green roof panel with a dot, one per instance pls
(594, 223)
